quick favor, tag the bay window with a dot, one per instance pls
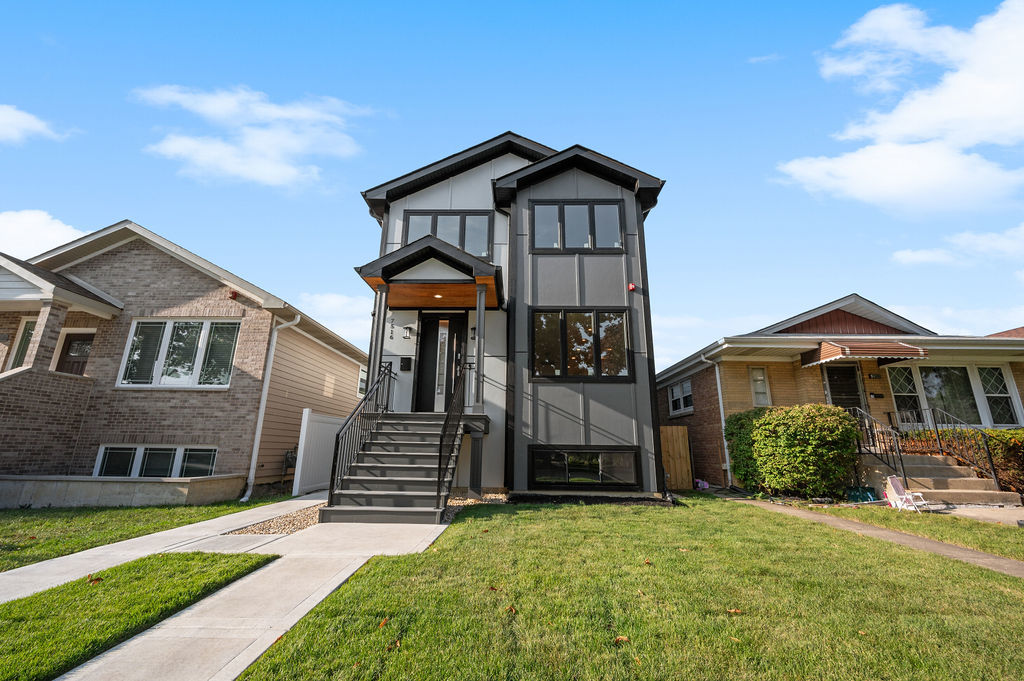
(978, 395)
(181, 353)
(162, 461)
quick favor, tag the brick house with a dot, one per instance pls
(852, 353)
(126, 358)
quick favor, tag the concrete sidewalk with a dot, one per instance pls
(217, 638)
(29, 579)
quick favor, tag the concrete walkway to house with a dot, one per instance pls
(1007, 566)
(29, 579)
(217, 638)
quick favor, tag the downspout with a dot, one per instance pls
(251, 479)
(721, 415)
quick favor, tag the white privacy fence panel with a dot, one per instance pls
(316, 451)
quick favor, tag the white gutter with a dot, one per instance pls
(721, 415)
(263, 405)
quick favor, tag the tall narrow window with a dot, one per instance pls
(904, 393)
(143, 352)
(478, 236)
(759, 386)
(220, 353)
(547, 344)
(579, 329)
(997, 394)
(545, 227)
(21, 344)
(182, 347)
(607, 229)
(577, 226)
(614, 357)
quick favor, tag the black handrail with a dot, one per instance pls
(936, 429)
(879, 440)
(451, 433)
(355, 431)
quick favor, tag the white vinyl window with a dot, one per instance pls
(759, 387)
(680, 398)
(155, 461)
(20, 343)
(179, 353)
(361, 386)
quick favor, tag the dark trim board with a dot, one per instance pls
(511, 380)
(659, 464)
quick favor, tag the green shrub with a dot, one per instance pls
(809, 449)
(738, 430)
(1007, 448)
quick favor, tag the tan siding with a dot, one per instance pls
(304, 374)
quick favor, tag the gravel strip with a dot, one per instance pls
(456, 504)
(285, 524)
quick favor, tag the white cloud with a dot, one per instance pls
(764, 58)
(258, 141)
(24, 233)
(923, 256)
(348, 316)
(17, 125)
(928, 152)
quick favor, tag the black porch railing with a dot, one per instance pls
(451, 434)
(879, 440)
(360, 423)
(934, 431)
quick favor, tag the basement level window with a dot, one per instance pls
(155, 461)
(581, 467)
(179, 353)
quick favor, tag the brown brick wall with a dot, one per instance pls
(152, 283)
(704, 426)
(9, 323)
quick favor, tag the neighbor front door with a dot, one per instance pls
(442, 345)
(74, 354)
(843, 385)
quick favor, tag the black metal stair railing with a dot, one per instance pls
(964, 442)
(356, 429)
(879, 440)
(451, 434)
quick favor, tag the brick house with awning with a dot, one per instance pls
(850, 352)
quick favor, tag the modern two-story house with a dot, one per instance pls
(511, 279)
(133, 371)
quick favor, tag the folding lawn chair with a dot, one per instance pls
(901, 499)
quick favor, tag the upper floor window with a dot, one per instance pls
(577, 226)
(180, 353)
(469, 230)
(680, 398)
(578, 345)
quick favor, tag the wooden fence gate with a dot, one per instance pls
(675, 455)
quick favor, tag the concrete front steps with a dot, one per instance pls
(394, 477)
(940, 480)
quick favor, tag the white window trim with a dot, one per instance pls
(60, 343)
(158, 366)
(682, 411)
(9, 360)
(767, 387)
(980, 399)
(179, 457)
(363, 376)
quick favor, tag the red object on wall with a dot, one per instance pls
(632, 286)
(233, 295)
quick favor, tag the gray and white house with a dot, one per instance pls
(511, 313)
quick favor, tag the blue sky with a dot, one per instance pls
(811, 149)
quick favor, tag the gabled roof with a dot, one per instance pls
(647, 187)
(1009, 333)
(54, 284)
(855, 305)
(421, 250)
(506, 143)
(125, 231)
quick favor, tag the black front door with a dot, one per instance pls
(844, 385)
(74, 355)
(442, 345)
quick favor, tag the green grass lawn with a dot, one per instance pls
(31, 535)
(50, 632)
(546, 592)
(1002, 540)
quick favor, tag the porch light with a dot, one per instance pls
(438, 295)
(406, 332)
(472, 333)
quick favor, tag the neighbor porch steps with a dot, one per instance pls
(394, 476)
(940, 480)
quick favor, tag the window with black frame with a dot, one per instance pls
(578, 226)
(580, 345)
(584, 467)
(468, 230)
